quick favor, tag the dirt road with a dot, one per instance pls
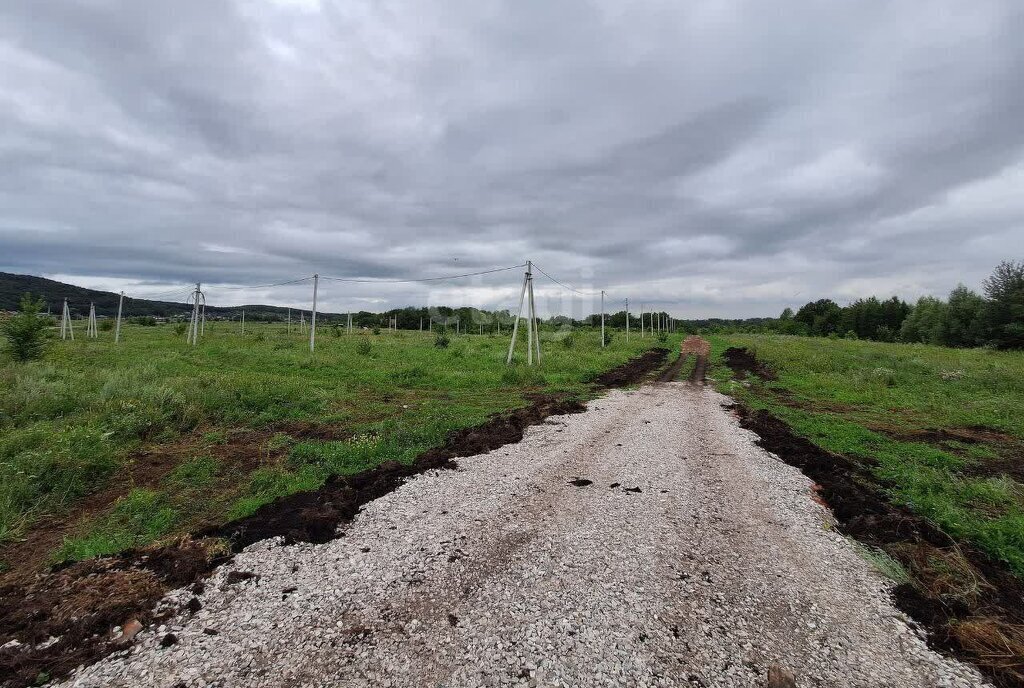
(646, 542)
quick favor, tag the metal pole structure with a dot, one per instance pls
(602, 317)
(641, 321)
(243, 321)
(519, 314)
(312, 316)
(64, 321)
(421, 325)
(117, 326)
(289, 321)
(193, 334)
(350, 322)
(202, 318)
(533, 320)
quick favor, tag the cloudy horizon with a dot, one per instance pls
(710, 158)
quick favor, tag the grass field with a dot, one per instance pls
(153, 438)
(943, 428)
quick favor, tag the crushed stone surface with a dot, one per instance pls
(707, 563)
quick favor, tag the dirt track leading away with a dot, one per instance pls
(646, 542)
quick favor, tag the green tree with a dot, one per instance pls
(965, 325)
(926, 323)
(1004, 311)
(822, 317)
(25, 332)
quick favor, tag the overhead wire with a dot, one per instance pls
(563, 284)
(421, 279)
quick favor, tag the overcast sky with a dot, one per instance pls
(715, 158)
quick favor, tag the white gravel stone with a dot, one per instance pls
(503, 574)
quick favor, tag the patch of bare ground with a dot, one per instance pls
(971, 605)
(743, 364)
(694, 346)
(1008, 450)
(635, 370)
(238, 451)
(53, 621)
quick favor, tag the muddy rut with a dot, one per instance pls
(646, 542)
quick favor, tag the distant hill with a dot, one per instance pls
(13, 287)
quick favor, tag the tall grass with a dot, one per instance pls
(71, 421)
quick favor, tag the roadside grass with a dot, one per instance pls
(71, 423)
(900, 409)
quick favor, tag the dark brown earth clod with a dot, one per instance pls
(780, 678)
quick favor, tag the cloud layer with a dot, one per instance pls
(725, 158)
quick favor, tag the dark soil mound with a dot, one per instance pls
(972, 606)
(743, 363)
(635, 370)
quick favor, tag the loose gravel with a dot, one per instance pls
(691, 558)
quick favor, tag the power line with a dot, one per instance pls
(422, 279)
(264, 286)
(563, 284)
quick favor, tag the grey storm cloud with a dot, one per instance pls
(710, 157)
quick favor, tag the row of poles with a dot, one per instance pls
(197, 321)
(67, 331)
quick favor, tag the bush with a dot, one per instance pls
(663, 336)
(608, 337)
(569, 341)
(26, 332)
(363, 348)
(144, 320)
(336, 330)
(106, 325)
(180, 328)
(376, 330)
(441, 341)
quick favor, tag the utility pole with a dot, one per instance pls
(527, 277)
(627, 320)
(289, 320)
(193, 334)
(312, 316)
(117, 326)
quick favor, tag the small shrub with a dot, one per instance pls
(363, 347)
(662, 337)
(337, 331)
(180, 328)
(26, 332)
(441, 341)
(569, 341)
(376, 330)
(259, 337)
(144, 320)
(106, 325)
(886, 375)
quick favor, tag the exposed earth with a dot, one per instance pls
(646, 542)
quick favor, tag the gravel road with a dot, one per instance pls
(691, 558)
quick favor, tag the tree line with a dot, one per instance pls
(965, 318)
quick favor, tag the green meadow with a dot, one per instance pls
(943, 428)
(241, 420)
